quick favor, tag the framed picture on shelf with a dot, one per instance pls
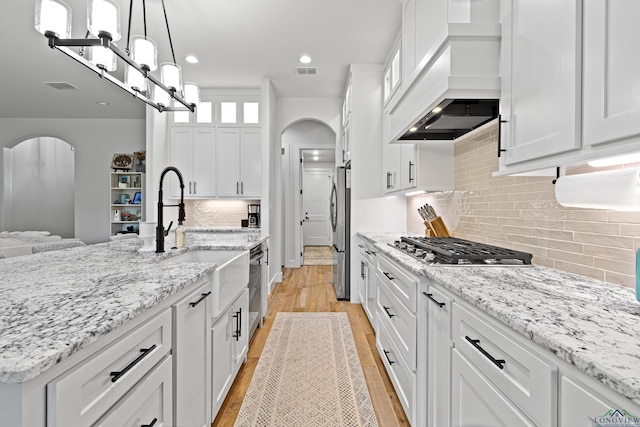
(122, 162)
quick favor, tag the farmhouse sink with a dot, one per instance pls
(229, 278)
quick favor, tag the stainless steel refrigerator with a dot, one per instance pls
(340, 214)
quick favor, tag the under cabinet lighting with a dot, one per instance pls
(613, 161)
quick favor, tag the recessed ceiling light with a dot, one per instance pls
(316, 152)
(191, 59)
(304, 59)
(437, 110)
(315, 157)
(413, 129)
(102, 103)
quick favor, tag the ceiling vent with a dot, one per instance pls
(61, 85)
(306, 70)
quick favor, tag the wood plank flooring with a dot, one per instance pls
(309, 289)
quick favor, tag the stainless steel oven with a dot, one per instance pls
(256, 256)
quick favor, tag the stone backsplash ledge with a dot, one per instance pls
(522, 213)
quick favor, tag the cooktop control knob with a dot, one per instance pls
(411, 248)
(420, 253)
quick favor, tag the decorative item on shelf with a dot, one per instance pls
(140, 158)
(123, 182)
(137, 198)
(122, 162)
(98, 52)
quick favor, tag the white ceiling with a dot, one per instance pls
(237, 41)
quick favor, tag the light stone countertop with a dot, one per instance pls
(592, 325)
(54, 304)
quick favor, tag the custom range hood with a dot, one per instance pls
(451, 119)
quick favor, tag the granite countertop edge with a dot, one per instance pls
(590, 324)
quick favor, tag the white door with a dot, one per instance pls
(315, 207)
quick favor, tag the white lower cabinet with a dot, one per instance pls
(230, 342)
(192, 359)
(147, 404)
(476, 402)
(83, 395)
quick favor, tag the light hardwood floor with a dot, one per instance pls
(309, 289)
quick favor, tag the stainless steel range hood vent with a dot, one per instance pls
(451, 119)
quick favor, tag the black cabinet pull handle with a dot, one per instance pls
(361, 246)
(267, 257)
(387, 310)
(500, 122)
(371, 253)
(389, 276)
(238, 316)
(476, 343)
(430, 296)
(155, 420)
(386, 354)
(118, 374)
(202, 297)
(362, 276)
(411, 179)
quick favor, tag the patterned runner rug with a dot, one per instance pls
(308, 375)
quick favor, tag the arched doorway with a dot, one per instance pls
(39, 192)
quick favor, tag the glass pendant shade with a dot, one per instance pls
(171, 76)
(102, 57)
(160, 96)
(134, 79)
(53, 16)
(103, 18)
(144, 51)
(192, 93)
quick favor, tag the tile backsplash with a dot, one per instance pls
(522, 213)
(216, 213)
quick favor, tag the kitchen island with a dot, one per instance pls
(575, 322)
(58, 308)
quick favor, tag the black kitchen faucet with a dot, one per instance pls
(160, 231)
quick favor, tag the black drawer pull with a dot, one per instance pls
(387, 310)
(476, 343)
(361, 246)
(430, 296)
(155, 420)
(371, 253)
(118, 374)
(389, 276)
(193, 304)
(386, 354)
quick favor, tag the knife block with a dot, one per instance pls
(437, 228)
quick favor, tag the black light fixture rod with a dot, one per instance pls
(166, 20)
(144, 16)
(129, 25)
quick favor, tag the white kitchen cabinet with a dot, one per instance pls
(230, 343)
(147, 404)
(427, 166)
(439, 356)
(392, 167)
(611, 78)
(192, 358)
(475, 401)
(238, 162)
(84, 394)
(369, 288)
(192, 151)
(540, 72)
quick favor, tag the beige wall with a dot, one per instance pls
(216, 213)
(521, 213)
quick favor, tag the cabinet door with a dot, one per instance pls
(579, 407)
(221, 361)
(408, 166)
(251, 163)
(474, 401)
(439, 360)
(372, 294)
(204, 147)
(180, 156)
(240, 317)
(362, 283)
(391, 155)
(540, 74)
(228, 162)
(611, 78)
(192, 359)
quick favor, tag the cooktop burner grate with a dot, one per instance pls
(452, 250)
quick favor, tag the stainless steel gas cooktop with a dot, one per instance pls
(455, 251)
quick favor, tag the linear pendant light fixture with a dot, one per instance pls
(100, 54)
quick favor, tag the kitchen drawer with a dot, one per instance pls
(403, 286)
(401, 324)
(368, 252)
(529, 381)
(403, 379)
(87, 392)
(149, 400)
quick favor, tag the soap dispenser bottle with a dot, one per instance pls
(181, 235)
